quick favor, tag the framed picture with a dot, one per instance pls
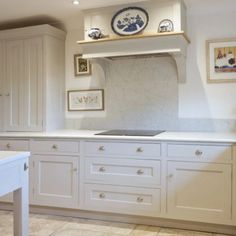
(86, 100)
(82, 66)
(221, 60)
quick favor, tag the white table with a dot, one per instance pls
(14, 178)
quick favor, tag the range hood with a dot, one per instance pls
(173, 44)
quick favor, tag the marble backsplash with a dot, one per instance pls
(143, 94)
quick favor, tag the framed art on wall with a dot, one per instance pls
(221, 60)
(86, 100)
(81, 66)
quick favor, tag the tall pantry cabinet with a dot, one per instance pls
(32, 78)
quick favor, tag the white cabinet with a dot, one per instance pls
(33, 71)
(55, 181)
(199, 191)
(1, 87)
(24, 73)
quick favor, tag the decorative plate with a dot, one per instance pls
(166, 26)
(129, 21)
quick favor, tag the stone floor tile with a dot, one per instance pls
(76, 232)
(144, 230)
(121, 228)
(179, 232)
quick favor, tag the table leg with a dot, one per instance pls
(21, 208)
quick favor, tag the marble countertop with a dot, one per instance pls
(6, 156)
(166, 136)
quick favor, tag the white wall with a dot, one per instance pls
(198, 105)
(197, 99)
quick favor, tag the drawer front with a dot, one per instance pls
(54, 146)
(201, 153)
(14, 145)
(123, 149)
(127, 200)
(128, 172)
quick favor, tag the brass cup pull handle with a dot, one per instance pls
(102, 195)
(102, 169)
(198, 152)
(7, 95)
(140, 172)
(101, 148)
(74, 169)
(8, 145)
(139, 150)
(139, 199)
(54, 146)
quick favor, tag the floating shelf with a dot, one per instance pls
(173, 43)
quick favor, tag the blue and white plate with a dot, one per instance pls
(129, 21)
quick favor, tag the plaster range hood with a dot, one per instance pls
(173, 44)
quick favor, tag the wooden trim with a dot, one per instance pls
(140, 36)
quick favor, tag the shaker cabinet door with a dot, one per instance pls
(24, 75)
(1, 87)
(55, 181)
(199, 191)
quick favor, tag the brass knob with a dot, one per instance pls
(8, 145)
(139, 199)
(139, 149)
(54, 146)
(140, 172)
(198, 152)
(74, 169)
(102, 169)
(7, 95)
(101, 148)
(102, 195)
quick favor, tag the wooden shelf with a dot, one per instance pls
(138, 36)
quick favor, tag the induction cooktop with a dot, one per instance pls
(120, 132)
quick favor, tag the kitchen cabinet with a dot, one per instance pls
(55, 173)
(121, 177)
(24, 79)
(33, 72)
(55, 181)
(1, 87)
(199, 191)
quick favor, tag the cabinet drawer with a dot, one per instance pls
(212, 153)
(14, 145)
(122, 149)
(127, 200)
(128, 172)
(54, 146)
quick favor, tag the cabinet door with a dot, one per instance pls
(55, 181)
(24, 84)
(1, 87)
(199, 191)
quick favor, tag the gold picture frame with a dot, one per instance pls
(81, 66)
(85, 100)
(221, 60)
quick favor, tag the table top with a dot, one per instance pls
(7, 156)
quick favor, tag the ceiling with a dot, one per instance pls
(15, 13)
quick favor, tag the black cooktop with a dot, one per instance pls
(119, 132)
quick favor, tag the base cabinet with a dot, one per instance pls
(55, 181)
(199, 191)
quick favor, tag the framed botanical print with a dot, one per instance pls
(81, 66)
(221, 60)
(86, 100)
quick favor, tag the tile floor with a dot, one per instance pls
(45, 225)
